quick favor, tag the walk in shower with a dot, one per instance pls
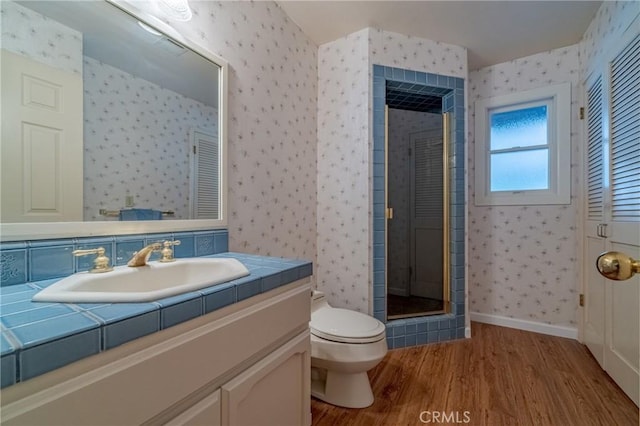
(417, 201)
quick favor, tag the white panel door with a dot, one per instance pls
(612, 308)
(622, 310)
(426, 214)
(41, 145)
(622, 307)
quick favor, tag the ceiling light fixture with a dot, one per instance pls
(149, 29)
(178, 10)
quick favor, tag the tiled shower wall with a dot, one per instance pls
(435, 328)
(348, 255)
(345, 151)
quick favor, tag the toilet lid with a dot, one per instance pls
(343, 325)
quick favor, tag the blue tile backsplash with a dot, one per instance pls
(29, 261)
(39, 337)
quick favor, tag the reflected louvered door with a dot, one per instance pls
(612, 211)
(426, 219)
(205, 191)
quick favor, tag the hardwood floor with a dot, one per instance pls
(500, 376)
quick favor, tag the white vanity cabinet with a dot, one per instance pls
(246, 364)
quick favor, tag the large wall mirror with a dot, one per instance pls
(112, 123)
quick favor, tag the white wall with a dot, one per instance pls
(611, 20)
(271, 126)
(135, 125)
(343, 171)
(523, 260)
(26, 32)
(345, 139)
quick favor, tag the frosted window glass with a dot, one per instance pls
(519, 171)
(519, 128)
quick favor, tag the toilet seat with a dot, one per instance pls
(345, 326)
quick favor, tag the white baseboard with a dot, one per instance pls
(537, 327)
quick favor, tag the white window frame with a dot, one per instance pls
(558, 99)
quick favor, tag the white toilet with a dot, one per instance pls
(344, 346)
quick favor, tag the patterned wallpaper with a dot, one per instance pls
(523, 260)
(345, 137)
(343, 171)
(272, 114)
(418, 54)
(402, 124)
(612, 18)
(42, 39)
(272, 123)
(137, 142)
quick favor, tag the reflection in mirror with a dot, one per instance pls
(104, 118)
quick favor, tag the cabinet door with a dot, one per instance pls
(205, 412)
(275, 391)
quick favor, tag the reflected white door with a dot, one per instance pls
(426, 214)
(41, 145)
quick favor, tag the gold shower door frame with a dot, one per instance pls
(446, 185)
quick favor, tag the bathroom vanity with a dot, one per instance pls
(245, 364)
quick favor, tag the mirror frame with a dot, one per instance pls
(50, 230)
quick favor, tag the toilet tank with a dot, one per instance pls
(318, 300)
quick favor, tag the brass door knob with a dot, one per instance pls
(617, 266)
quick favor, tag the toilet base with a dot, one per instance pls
(350, 390)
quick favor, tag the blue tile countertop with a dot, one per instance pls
(37, 337)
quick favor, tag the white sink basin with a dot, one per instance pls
(154, 281)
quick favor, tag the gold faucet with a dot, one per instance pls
(141, 257)
(100, 263)
(167, 251)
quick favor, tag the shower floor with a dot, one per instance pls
(412, 306)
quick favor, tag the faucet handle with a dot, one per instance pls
(167, 252)
(100, 263)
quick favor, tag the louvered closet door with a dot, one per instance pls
(612, 308)
(622, 307)
(594, 326)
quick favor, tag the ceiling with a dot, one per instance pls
(492, 31)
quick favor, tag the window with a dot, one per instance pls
(523, 147)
